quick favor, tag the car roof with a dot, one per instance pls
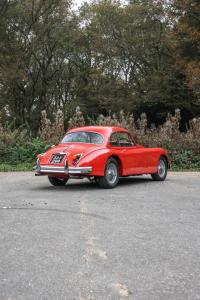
(99, 129)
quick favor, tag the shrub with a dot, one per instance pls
(18, 146)
(77, 119)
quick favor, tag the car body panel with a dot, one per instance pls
(133, 160)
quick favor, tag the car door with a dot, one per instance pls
(131, 155)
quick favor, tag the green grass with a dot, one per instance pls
(29, 167)
(16, 168)
(184, 170)
(177, 169)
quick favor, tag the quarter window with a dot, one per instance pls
(121, 139)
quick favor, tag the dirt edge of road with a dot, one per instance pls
(191, 173)
(184, 173)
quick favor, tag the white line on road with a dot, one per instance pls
(122, 290)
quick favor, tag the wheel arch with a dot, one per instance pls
(119, 162)
(166, 158)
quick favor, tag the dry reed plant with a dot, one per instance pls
(183, 147)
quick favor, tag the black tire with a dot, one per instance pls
(57, 181)
(162, 170)
(111, 175)
(91, 179)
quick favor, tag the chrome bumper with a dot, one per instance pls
(42, 169)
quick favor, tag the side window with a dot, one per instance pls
(124, 139)
(121, 139)
(114, 140)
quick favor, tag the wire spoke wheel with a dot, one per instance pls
(111, 175)
(162, 170)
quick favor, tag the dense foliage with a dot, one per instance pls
(19, 148)
(139, 56)
(142, 56)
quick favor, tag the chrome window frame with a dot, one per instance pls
(116, 132)
(84, 142)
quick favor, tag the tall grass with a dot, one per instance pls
(19, 146)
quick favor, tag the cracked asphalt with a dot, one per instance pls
(140, 240)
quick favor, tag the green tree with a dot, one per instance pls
(37, 41)
(187, 31)
(131, 59)
(142, 56)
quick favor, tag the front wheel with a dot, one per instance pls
(111, 175)
(57, 181)
(162, 170)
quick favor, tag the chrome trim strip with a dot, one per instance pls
(71, 131)
(79, 170)
(59, 153)
(63, 170)
(47, 169)
(51, 167)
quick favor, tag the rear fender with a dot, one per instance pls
(162, 153)
(97, 160)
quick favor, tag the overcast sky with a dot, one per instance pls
(79, 2)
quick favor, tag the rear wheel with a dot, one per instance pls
(111, 175)
(91, 179)
(162, 170)
(57, 181)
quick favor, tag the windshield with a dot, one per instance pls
(83, 137)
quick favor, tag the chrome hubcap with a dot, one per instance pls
(111, 173)
(161, 168)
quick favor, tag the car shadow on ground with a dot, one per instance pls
(134, 180)
(74, 185)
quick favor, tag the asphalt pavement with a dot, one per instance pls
(138, 241)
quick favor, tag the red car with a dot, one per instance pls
(102, 154)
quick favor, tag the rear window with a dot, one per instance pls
(83, 137)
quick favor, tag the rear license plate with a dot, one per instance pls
(57, 159)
